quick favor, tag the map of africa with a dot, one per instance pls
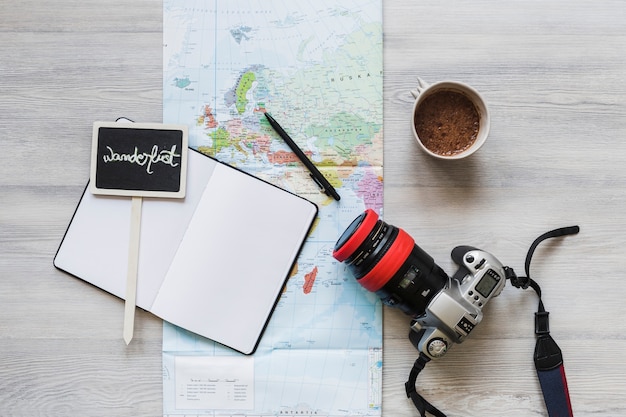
(317, 68)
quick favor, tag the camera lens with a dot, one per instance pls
(384, 259)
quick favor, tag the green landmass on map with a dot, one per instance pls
(242, 89)
(182, 82)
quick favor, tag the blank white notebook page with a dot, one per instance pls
(95, 246)
(234, 276)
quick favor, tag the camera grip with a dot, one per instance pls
(458, 254)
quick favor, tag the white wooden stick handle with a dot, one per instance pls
(133, 263)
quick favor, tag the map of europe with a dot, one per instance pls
(317, 68)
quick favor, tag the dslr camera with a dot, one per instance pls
(384, 259)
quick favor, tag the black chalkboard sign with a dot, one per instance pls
(139, 159)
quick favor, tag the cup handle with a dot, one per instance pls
(421, 86)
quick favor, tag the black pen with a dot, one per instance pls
(314, 172)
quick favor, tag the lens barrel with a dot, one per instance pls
(384, 259)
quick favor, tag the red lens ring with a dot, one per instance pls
(358, 237)
(390, 262)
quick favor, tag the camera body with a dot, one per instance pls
(454, 312)
(384, 259)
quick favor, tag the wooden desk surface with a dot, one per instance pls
(552, 73)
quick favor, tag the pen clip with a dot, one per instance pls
(322, 188)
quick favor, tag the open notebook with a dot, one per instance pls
(213, 263)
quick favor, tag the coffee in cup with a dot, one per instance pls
(450, 119)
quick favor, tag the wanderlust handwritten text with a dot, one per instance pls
(166, 157)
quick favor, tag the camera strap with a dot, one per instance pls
(421, 404)
(548, 356)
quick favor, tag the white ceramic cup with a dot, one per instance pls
(424, 90)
